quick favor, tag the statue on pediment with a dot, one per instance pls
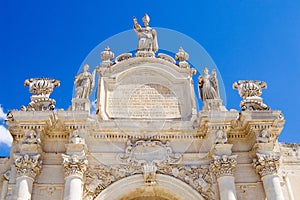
(147, 37)
(208, 85)
(84, 82)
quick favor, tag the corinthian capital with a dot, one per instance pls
(74, 164)
(28, 165)
(223, 165)
(266, 164)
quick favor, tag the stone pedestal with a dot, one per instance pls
(213, 104)
(81, 104)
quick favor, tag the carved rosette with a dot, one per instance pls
(223, 165)
(28, 165)
(266, 164)
(74, 165)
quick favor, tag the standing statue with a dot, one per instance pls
(85, 82)
(208, 85)
(146, 34)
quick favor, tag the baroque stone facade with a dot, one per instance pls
(147, 140)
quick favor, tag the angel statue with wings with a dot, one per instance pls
(84, 82)
(208, 85)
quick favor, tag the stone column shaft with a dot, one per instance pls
(24, 187)
(73, 188)
(272, 187)
(223, 167)
(266, 166)
(227, 188)
(27, 166)
(75, 166)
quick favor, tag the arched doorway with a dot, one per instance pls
(134, 188)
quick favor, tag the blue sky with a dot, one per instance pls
(247, 39)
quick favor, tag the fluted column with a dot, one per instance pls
(27, 166)
(266, 166)
(223, 167)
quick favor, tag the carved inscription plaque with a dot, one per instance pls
(142, 101)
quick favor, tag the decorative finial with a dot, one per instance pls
(41, 88)
(182, 56)
(107, 55)
(251, 91)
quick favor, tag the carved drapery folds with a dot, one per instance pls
(223, 165)
(28, 165)
(147, 45)
(74, 165)
(251, 91)
(266, 164)
(41, 88)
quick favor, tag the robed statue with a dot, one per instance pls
(84, 82)
(208, 85)
(146, 34)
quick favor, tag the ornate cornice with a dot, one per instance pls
(74, 165)
(28, 165)
(266, 164)
(223, 165)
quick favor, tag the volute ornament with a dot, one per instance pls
(266, 164)
(223, 165)
(28, 165)
(74, 164)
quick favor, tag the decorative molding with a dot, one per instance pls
(28, 165)
(149, 151)
(266, 164)
(223, 165)
(100, 177)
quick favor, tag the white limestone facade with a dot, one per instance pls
(147, 140)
